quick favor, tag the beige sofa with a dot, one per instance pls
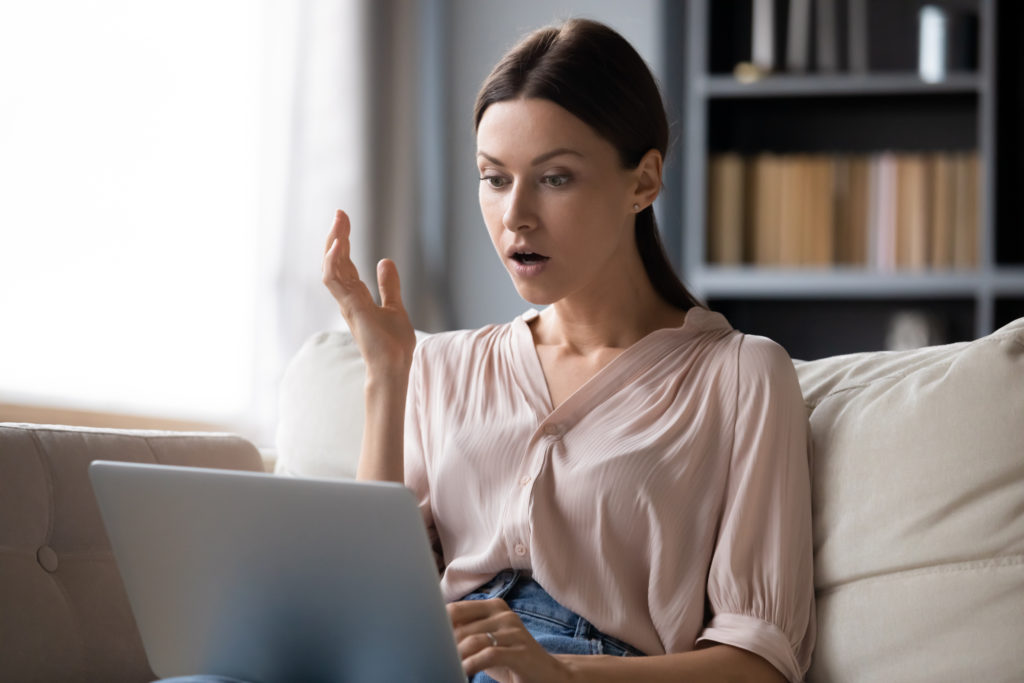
(918, 483)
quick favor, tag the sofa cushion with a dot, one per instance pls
(320, 408)
(918, 494)
(64, 615)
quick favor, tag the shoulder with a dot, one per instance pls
(764, 370)
(758, 355)
(462, 347)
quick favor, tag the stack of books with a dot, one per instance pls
(800, 36)
(885, 212)
(833, 36)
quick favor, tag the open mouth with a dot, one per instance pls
(529, 258)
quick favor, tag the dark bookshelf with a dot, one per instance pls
(856, 325)
(977, 107)
(1009, 153)
(1008, 310)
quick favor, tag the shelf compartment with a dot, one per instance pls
(1009, 131)
(947, 122)
(813, 328)
(890, 40)
(1008, 309)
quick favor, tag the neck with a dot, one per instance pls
(615, 313)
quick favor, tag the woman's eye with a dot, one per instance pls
(495, 181)
(556, 180)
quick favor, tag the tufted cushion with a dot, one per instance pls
(64, 615)
(918, 492)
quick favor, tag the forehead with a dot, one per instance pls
(526, 127)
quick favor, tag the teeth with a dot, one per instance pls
(528, 257)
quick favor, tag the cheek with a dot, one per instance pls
(492, 210)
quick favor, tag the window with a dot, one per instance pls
(129, 168)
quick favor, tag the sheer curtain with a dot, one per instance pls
(169, 172)
(361, 97)
(315, 161)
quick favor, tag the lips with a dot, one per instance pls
(524, 254)
(528, 257)
(525, 262)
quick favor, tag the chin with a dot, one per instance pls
(536, 298)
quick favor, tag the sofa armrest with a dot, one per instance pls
(65, 615)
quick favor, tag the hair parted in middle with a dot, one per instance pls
(592, 72)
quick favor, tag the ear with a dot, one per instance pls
(647, 179)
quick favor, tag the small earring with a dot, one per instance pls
(636, 207)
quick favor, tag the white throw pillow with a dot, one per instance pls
(918, 493)
(320, 410)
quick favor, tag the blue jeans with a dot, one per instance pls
(557, 629)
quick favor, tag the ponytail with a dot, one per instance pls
(659, 269)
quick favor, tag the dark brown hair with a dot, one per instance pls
(595, 74)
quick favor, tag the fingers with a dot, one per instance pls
(340, 275)
(469, 611)
(491, 637)
(478, 652)
(473, 620)
(389, 284)
(340, 231)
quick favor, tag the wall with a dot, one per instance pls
(477, 33)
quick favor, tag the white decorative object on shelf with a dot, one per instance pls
(932, 44)
(913, 330)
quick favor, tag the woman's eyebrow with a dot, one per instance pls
(539, 160)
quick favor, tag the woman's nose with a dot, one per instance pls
(519, 211)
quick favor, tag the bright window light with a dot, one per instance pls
(128, 203)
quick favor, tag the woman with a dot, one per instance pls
(621, 473)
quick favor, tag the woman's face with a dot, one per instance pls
(556, 199)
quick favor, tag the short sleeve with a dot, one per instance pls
(415, 462)
(760, 584)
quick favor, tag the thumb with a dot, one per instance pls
(389, 285)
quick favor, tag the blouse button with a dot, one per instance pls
(520, 549)
(524, 480)
(552, 429)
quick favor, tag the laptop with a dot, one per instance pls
(272, 579)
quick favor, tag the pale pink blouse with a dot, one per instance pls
(678, 472)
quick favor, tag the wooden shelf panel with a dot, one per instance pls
(756, 282)
(902, 84)
(1009, 280)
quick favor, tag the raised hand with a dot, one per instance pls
(384, 333)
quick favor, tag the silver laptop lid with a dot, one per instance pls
(273, 579)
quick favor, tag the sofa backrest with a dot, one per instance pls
(64, 615)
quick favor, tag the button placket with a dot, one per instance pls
(553, 430)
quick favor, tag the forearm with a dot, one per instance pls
(382, 455)
(719, 663)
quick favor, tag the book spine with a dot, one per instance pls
(798, 38)
(857, 36)
(762, 48)
(827, 39)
